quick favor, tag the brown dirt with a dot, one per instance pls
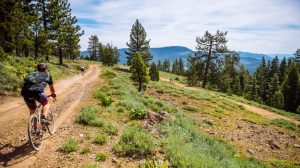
(14, 147)
(260, 111)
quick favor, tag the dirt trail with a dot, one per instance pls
(15, 150)
(262, 112)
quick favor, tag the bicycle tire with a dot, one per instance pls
(35, 135)
(51, 123)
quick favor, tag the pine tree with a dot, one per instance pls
(290, 89)
(159, 65)
(297, 55)
(278, 100)
(181, 70)
(138, 43)
(211, 45)
(282, 70)
(92, 48)
(195, 70)
(154, 72)
(139, 71)
(108, 54)
(175, 67)
(166, 65)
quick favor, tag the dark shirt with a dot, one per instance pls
(39, 86)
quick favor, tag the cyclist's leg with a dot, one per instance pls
(30, 104)
(43, 99)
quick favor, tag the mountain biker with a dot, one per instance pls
(82, 69)
(35, 91)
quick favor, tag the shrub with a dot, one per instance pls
(69, 146)
(110, 129)
(190, 108)
(137, 113)
(135, 141)
(92, 165)
(120, 109)
(101, 157)
(154, 164)
(89, 116)
(100, 139)
(106, 101)
(85, 150)
(109, 74)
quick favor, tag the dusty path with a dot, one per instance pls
(260, 111)
(15, 150)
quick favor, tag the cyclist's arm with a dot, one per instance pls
(52, 90)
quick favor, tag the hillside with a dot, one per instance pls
(250, 60)
(111, 124)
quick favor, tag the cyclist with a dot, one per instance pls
(32, 91)
(82, 70)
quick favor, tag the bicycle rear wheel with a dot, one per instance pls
(51, 123)
(35, 132)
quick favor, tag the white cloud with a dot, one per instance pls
(270, 26)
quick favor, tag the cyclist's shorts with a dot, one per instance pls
(39, 96)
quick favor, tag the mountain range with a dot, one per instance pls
(250, 60)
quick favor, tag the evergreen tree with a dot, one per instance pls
(290, 89)
(211, 45)
(159, 65)
(297, 55)
(181, 70)
(282, 70)
(92, 48)
(278, 100)
(175, 67)
(139, 71)
(154, 72)
(166, 65)
(195, 70)
(108, 54)
(138, 43)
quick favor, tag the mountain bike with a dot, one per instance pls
(37, 127)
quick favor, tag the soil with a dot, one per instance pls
(15, 150)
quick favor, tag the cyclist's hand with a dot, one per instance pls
(54, 97)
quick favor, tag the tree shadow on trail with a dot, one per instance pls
(13, 154)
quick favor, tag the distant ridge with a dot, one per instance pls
(250, 60)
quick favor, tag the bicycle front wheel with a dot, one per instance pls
(51, 123)
(35, 133)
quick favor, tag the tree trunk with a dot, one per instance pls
(47, 58)
(35, 46)
(207, 65)
(60, 56)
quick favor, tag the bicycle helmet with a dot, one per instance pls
(41, 67)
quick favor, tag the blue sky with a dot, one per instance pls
(260, 26)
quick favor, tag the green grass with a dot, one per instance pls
(13, 69)
(101, 157)
(92, 165)
(110, 129)
(209, 93)
(135, 142)
(284, 164)
(85, 150)
(182, 144)
(71, 145)
(284, 124)
(90, 116)
(100, 139)
(190, 108)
